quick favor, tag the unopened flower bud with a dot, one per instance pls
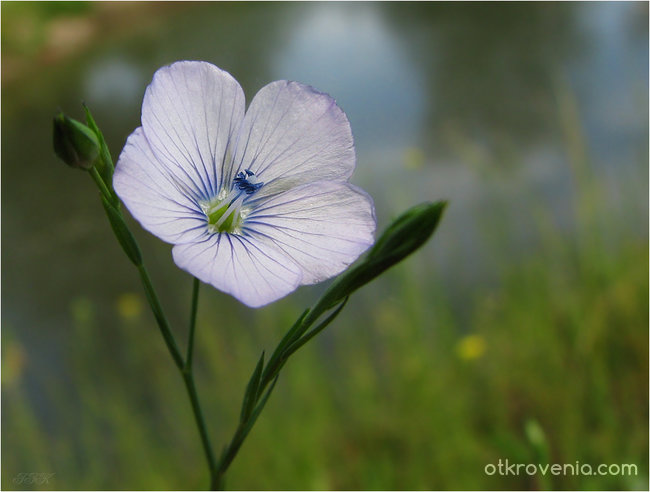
(402, 237)
(74, 143)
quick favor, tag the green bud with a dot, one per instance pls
(74, 143)
(408, 232)
(405, 235)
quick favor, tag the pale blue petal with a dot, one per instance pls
(323, 227)
(295, 134)
(156, 197)
(190, 115)
(252, 270)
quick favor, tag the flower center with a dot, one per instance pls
(226, 212)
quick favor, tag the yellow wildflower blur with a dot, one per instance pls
(470, 347)
(129, 306)
(413, 158)
(13, 362)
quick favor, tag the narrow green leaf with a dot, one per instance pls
(122, 232)
(291, 336)
(294, 332)
(311, 334)
(107, 168)
(256, 413)
(250, 396)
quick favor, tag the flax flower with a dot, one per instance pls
(255, 202)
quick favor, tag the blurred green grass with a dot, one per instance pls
(397, 394)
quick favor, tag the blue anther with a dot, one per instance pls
(241, 181)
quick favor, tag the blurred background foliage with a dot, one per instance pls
(520, 332)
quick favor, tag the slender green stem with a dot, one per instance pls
(238, 438)
(184, 366)
(188, 379)
(102, 186)
(190, 341)
(229, 454)
(163, 324)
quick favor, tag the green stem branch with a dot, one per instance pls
(188, 379)
(184, 366)
(131, 248)
(292, 341)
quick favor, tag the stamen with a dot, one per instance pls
(245, 181)
(225, 214)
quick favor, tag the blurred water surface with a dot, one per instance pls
(532, 119)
